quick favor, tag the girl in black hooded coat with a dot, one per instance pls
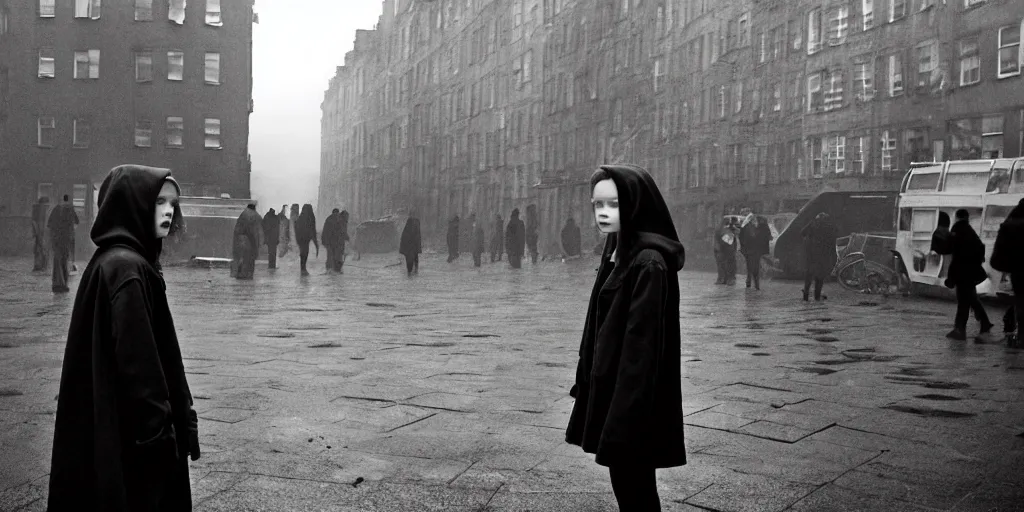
(628, 408)
(305, 232)
(125, 421)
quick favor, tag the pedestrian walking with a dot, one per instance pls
(532, 225)
(40, 211)
(305, 232)
(819, 244)
(61, 226)
(755, 242)
(628, 409)
(245, 245)
(1008, 256)
(515, 239)
(966, 272)
(479, 243)
(333, 237)
(410, 245)
(272, 236)
(125, 423)
(285, 230)
(498, 238)
(571, 240)
(453, 239)
(726, 240)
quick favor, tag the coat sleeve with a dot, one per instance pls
(140, 375)
(632, 404)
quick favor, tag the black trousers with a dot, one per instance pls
(753, 269)
(303, 255)
(1013, 320)
(966, 301)
(272, 256)
(635, 488)
(819, 282)
(412, 261)
(477, 258)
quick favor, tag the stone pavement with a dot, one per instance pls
(448, 391)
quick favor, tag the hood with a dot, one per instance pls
(127, 209)
(645, 219)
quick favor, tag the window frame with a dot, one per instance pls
(894, 66)
(867, 10)
(963, 55)
(76, 143)
(52, 59)
(47, 8)
(893, 16)
(1000, 46)
(171, 66)
(137, 11)
(169, 131)
(140, 125)
(138, 76)
(206, 69)
(93, 9)
(91, 65)
(838, 25)
(40, 143)
(216, 18)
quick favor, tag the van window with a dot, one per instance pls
(922, 182)
(994, 216)
(905, 218)
(999, 180)
(924, 223)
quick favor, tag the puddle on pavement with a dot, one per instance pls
(921, 312)
(6, 345)
(865, 350)
(928, 412)
(833, 362)
(747, 345)
(10, 392)
(755, 326)
(553, 365)
(760, 354)
(914, 372)
(867, 303)
(819, 371)
(275, 335)
(825, 339)
(946, 385)
(480, 336)
(819, 330)
(380, 305)
(357, 358)
(932, 396)
(906, 380)
(324, 345)
(435, 345)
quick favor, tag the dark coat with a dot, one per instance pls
(515, 237)
(819, 239)
(967, 268)
(571, 239)
(498, 239)
(755, 241)
(249, 225)
(628, 408)
(272, 228)
(453, 235)
(479, 242)
(1008, 252)
(61, 224)
(411, 243)
(942, 241)
(305, 227)
(531, 229)
(721, 246)
(124, 421)
(335, 233)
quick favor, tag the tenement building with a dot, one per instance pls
(729, 103)
(86, 85)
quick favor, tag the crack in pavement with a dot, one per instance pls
(456, 477)
(411, 423)
(495, 493)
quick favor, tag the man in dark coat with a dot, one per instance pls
(1008, 256)
(410, 245)
(272, 236)
(966, 272)
(726, 240)
(333, 237)
(285, 230)
(755, 242)
(819, 239)
(478, 241)
(61, 226)
(305, 232)
(531, 231)
(39, 215)
(246, 243)
(571, 238)
(453, 239)
(498, 238)
(515, 239)
(125, 423)
(628, 409)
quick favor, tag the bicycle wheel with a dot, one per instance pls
(851, 275)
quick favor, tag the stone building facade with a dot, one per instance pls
(729, 103)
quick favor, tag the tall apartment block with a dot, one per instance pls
(460, 106)
(86, 85)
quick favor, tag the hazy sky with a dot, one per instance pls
(296, 47)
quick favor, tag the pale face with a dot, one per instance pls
(606, 206)
(165, 204)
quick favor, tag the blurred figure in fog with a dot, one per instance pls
(39, 249)
(333, 237)
(966, 272)
(285, 230)
(61, 226)
(819, 239)
(453, 239)
(305, 232)
(343, 221)
(1008, 256)
(531, 231)
(271, 236)
(755, 242)
(479, 244)
(515, 239)
(571, 239)
(246, 243)
(498, 238)
(411, 244)
(725, 252)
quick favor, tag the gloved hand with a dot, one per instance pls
(193, 434)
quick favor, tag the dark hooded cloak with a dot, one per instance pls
(571, 238)
(819, 244)
(968, 251)
(411, 242)
(272, 228)
(305, 226)
(332, 234)
(246, 247)
(515, 236)
(124, 422)
(1008, 252)
(628, 408)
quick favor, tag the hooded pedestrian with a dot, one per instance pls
(246, 243)
(755, 242)
(453, 239)
(125, 423)
(515, 239)
(498, 238)
(478, 240)
(532, 225)
(726, 239)
(61, 226)
(1008, 256)
(942, 244)
(305, 232)
(571, 240)
(411, 244)
(334, 235)
(272, 236)
(40, 211)
(285, 230)
(966, 272)
(819, 246)
(628, 409)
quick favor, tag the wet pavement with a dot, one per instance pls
(448, 391)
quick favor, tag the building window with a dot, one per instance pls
(721, 102)
(211, 129)
(864, 80)
(1009, 51)
(47, 8)
(212, 68)
(143, 133)
(616, 117)
(888, 147)
(80, 136)
(659, 71)
(744, 29)
(143, 10)
(895, 75)
(838, 25)
(834, 90)
(837, 154)
(867, 14)
(814, 96)
(778, 42)
(856, 154)
(814, 31)
(47, 68)
(915, 146)
(777, 97)
(762, 47)
(737, 97)
(175, 65)
(527, 66)
(87, 9)
(5, 15)
(816, 152)
(970, 61)
(175, 132)
(176, 11)
(897, 10)
(144, 66)
(87, 64)
(796, 35)
(927, 63)
(213, 15)
(992, 136)
(45, 128)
